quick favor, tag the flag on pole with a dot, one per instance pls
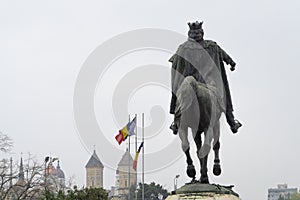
(137, 156)
(126, 131)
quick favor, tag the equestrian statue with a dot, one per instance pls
(200, 94)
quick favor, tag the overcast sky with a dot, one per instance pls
(45, 44)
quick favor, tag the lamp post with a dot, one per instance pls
(175, 182)
(160, 196)
(136, 192)
(47, 158)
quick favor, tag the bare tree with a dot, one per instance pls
(6, 178)
(70, 182)
(28, 179)
(5, 143)
(19, 181)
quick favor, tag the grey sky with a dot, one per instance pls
(44, 44)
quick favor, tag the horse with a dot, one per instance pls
(198, 107)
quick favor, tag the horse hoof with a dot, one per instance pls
(194, 181)
(204, 179)
(191, 172)
(217, 169)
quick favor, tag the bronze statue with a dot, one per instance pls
(200, 93)
(185, 68)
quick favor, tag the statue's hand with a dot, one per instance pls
(232, 68)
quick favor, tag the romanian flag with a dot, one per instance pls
(126, 131)
(137, 156)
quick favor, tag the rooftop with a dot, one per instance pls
(94, 161)
(126, 159)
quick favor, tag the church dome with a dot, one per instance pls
(50, 170)
(60, 173)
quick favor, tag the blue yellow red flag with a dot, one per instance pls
(126, 131)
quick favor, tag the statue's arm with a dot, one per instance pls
(227, 59)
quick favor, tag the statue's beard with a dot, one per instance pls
(196, 35)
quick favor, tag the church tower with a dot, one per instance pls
(19, 187)
(60, 177)
(122, 174)
(94, 172)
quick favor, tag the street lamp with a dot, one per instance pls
(136, 192)
(160, 196)
(47, 158)
(175, 182)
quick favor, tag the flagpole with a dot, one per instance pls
(129, 164)
(143, 188)
(136, 133)
(136, 149)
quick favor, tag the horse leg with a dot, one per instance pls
(204, 176)
(203, 160)
(190, 171)
(217, 167)
(183, 134)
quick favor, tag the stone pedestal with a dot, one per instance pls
(205, 192)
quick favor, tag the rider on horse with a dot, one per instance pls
(202, 59)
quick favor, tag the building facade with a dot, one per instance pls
(282, 191)
(55, 176)
(94, 172)
(126, 176)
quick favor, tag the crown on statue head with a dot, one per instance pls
(195, 25)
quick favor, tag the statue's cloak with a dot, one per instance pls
(204, 62)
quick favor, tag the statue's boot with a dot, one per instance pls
(176, 123)
(233, 123)
(235, 126)
(174, 128)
